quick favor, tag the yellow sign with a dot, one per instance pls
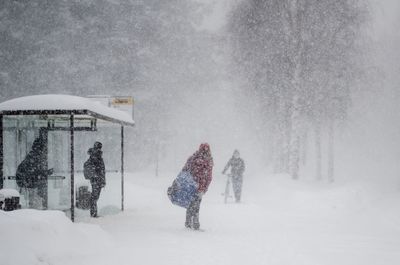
(122, 101)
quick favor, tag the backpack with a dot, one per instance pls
(88, 170)
(183, 190)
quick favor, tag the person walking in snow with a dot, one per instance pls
(236, 163)
(94, 169)
(200, 166)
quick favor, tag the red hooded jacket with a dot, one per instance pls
(200, 165)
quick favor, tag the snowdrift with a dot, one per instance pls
(280, 222)
(47, 237)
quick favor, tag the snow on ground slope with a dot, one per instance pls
(279, 222)
(47, 237)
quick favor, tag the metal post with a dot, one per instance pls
(1, 152)
(44, 189)
(72, 167)
(122, 168)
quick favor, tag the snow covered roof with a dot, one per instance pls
(64, 104)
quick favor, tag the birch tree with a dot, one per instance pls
(298, 54)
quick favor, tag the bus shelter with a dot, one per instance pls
(66, 126)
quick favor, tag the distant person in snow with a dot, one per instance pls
(94, 170)
(32, 173)
(237, 166)
(200, 166)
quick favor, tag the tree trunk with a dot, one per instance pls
(278, 152)
(281, 140)
(295, 123)
(286, 145)
(318, 153)
(157, 157)
(294, 154)
(304, 140)
(331, 151)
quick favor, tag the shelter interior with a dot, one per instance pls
(65, 141)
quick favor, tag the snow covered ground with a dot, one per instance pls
(279, 222)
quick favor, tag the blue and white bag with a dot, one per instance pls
(183, 189)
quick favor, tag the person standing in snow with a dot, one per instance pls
(95, 170)
(237, 166)
(32, 174)
(200, 166)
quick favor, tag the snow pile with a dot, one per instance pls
(8, 193)
(47, 237)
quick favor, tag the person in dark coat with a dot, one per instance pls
(32, 173)
(237, 168)
(95, 169)
(200, 166)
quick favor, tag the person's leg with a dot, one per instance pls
(45, 195)
(189, 215)
(239, 188)
(42, 194)
(31, 198)
(196, 213)
(93, 199)
(237, 182)
(235, 186)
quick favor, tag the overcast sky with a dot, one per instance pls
(386, 14)
(217, 16)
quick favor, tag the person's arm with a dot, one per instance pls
(227, 166)
(242, 167)
(41, 173)
(102, 171)
(208, 179)
(188, 164)
(47, 172)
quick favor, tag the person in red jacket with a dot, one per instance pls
(200, 166)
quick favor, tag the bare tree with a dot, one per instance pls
(295, 53)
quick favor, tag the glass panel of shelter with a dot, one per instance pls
(109, 135)
(34, 165)
(59, 183)
(21, 135)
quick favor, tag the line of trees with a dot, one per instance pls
(299, 60)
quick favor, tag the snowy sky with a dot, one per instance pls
(216, 18)
(387, 15)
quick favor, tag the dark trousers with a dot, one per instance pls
(237, 182)
(96, 189)
(38, 196)
(192, 213)
(43, 192)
